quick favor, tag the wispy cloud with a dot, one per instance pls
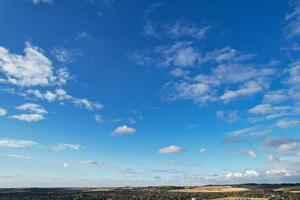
(17, 143)
(65, 55)
(18, 156)
(65, 147)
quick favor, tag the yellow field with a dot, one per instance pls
(212, 189)
(292, 189)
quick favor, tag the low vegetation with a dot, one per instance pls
(225, 192)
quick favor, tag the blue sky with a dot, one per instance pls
(114, 93)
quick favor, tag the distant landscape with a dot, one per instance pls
(217, 192)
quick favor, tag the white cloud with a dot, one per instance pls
(263, 109)
(227, 54)
(36, 113)
(181, 54)
(150, 30)
(202, 150)
(28, 117)
(247, 174)
(178, 72)
(251, 154)
(278, 96)
(64, 147)
(278, 172)
(294, 73)
(61, 95)
(251, 173)
(282, 144)
(273, 158)
(293, 22)
(244, 131)
(31, 69)
(229, 116)
(285, 123)
(17, 143)
(18, 156)
(33, 108)
(233, 175)
(249, 88)
(170, 149)
(123, 130)
(41, 1)
(87, 104)
(84, 34)
(287, 146)
(3, 112)
(229, 80)
(200, 92)
(66, 165)
(94, 163)
(57, 95)
(98, 118)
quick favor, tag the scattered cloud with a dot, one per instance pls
(123, 130)
(61, 95)
(170, 149)
(17, 143)
(66, 165)
(230, 78)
